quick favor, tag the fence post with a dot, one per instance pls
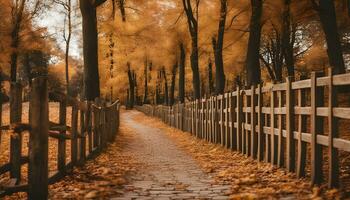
(254, 141)
(239, 120)
(74, 140)
(211, 120)
(1, 102)
(107, 124)
(202, 121)
(88, 124)
(316, 125)
(280, 148)
(95, 126)
(118, 115)
(222, 118)
(290, 126)
(182, 114)
(103, 127)
(260, 125)
(246, 139)
(333, 176)
(207, 118)
(272, 127)
(82, 136)
(196, 117)
(16, 138)
(38, 145)
(61, 150)
(227, 120)
(302, 121)
(232, 119)
(192, 118)
(217, 125)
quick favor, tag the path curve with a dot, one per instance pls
(168, 172)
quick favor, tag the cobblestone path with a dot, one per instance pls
(168, 172)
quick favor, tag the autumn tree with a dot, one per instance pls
(21, 15)
(172, 86)
(210, 77)
(252, 59)
(90, 48)
(192, 21)
(67, 34)
(288, 37)
(218, 44)
(166, 88)
(328, 19)
(17, 18)
(131, 78)
(182, 64)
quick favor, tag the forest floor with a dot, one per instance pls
(150, 160)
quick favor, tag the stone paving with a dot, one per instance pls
(168, 172)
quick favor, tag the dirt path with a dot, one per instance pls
(168, 172)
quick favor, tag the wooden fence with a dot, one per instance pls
(92, 125)
(280, 123)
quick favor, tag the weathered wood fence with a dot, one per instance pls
(93, 124)
(280, 123)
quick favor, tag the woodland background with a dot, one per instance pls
(146, 46)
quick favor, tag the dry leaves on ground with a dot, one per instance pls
(249, 178)
(101, 177)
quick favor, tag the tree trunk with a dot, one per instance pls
(17, 20)
(203, 89)
(68, 39)
(193, 29)
(90, 50)
(210, 78)
(111, 64)
(145, 101)
(288, 38)
(136, 89)
(27, 67)
(328, 20)
(131, 87)
(122, 9)
(127, 99)
(172, 87)
(182, 73)
(158, 86)
(218, 46)
(166, 90)
(195, 70)
(252, 59)
(157, 94)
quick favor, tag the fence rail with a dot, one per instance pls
(92, 124)
(277, 124)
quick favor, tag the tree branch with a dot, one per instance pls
(97, 3)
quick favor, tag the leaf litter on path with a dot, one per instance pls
(249, 179)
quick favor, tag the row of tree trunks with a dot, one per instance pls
(217, 47)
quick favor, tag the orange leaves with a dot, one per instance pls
(248, 178)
